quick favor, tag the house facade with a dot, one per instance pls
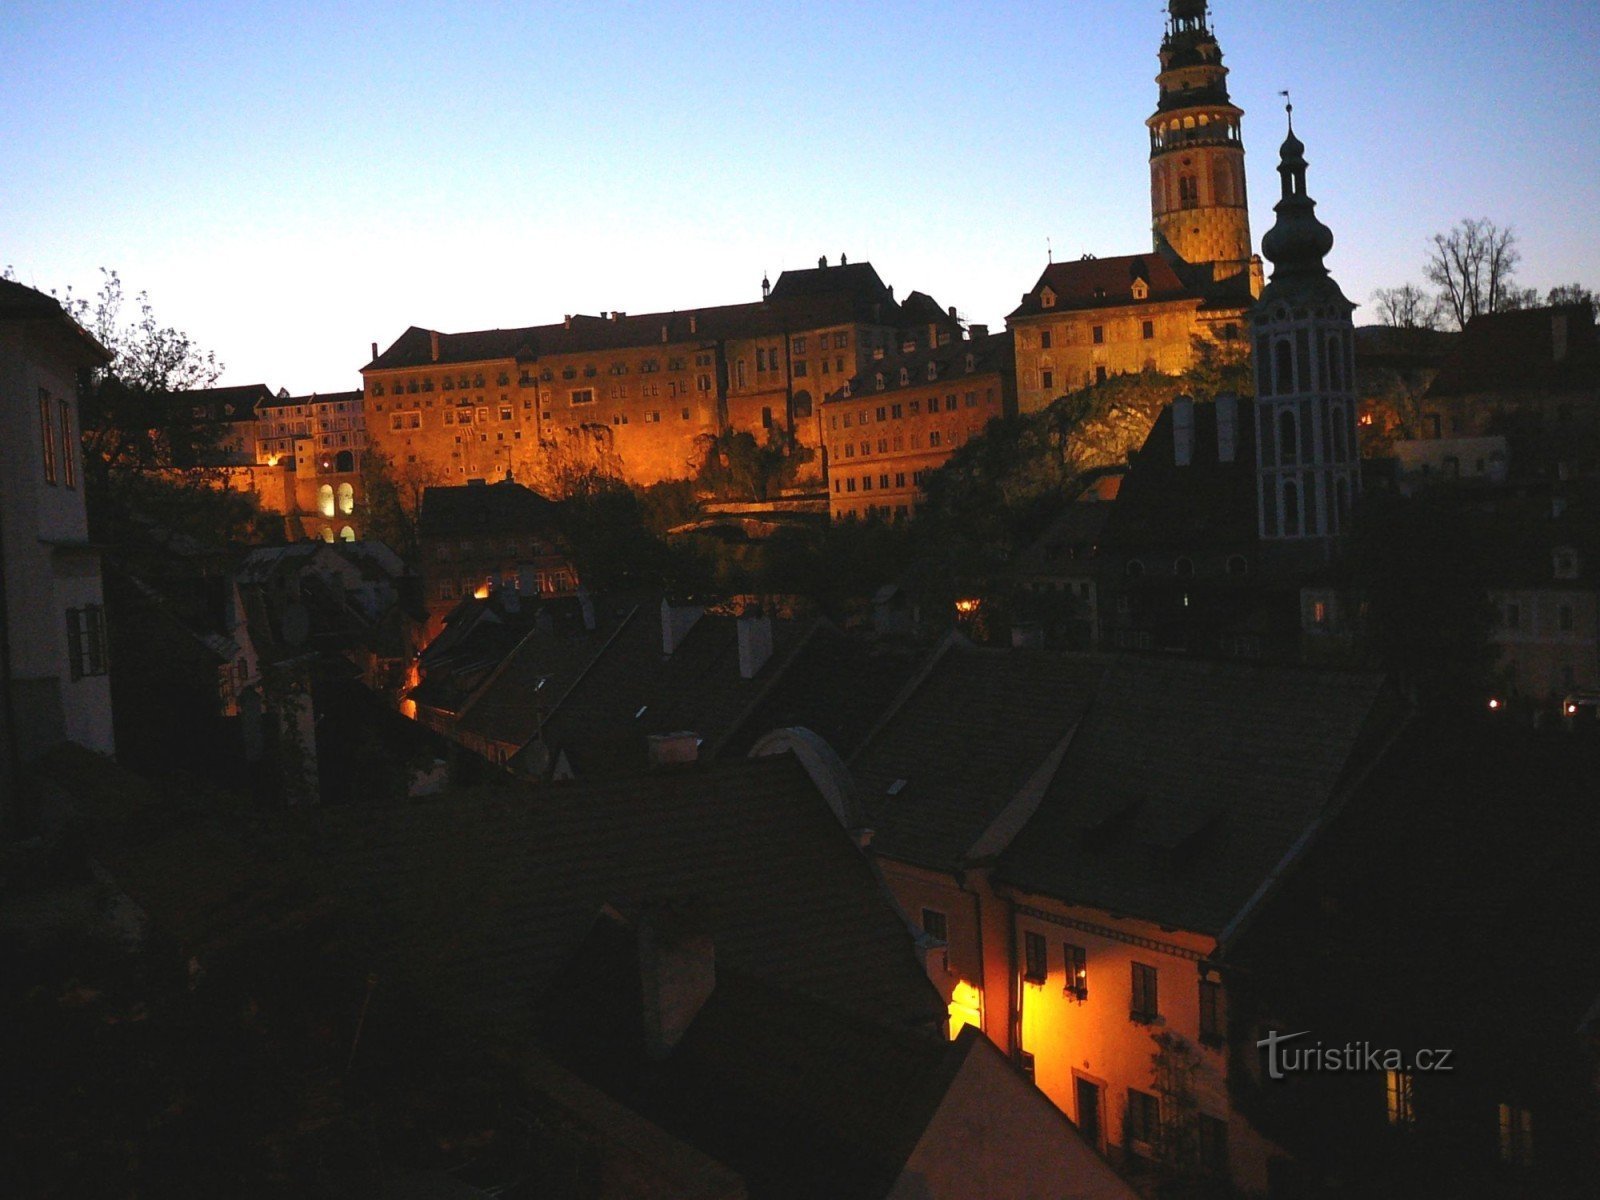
(53, 641)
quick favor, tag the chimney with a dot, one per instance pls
(953, 316)
(566, 321)
(433, 338)
(755, 643)
(1558, 336)
(374, 351)
(1183, 431)
(933, 335)
(977, 333)
(822, 262)
(677, 974)
(674, 749)
(694, 323)
(676, 621)
(1227, 426)
(663, 333)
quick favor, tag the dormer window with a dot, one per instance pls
(1047, 298)
(879, 378)
(905, 376)
(1141, 289)
(933, 371)
(971, 365)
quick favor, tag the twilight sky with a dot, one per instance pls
(291, 182)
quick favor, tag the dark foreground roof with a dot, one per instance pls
(961, 746)
(1188, 783)
(475, 899)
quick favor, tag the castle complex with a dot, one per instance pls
(643, 396)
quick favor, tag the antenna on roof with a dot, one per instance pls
(1049, 250)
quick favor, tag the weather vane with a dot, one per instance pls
(1288, 107)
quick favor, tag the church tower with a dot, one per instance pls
(1308, 462)
(1197, 189)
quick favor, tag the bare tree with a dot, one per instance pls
(1473, 266)
(1408, 307)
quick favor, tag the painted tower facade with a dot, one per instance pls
(1197, 185)
(1308, 464)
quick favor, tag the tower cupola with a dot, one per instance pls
(1298, 242)
(1198, 202)
(1308, 459)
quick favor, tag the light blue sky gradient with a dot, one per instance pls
(292, 182)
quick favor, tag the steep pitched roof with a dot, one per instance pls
(1189, 781)
(837, 685)
(18, 302)
(276, 401)
(532, 679)
(504, 507)
(1481, 836)
(961, 745)
(237, 403)
(1104, 283)
(1206, 504)
(989, 355)
(859, 280)
(475, 900)
(632, 690)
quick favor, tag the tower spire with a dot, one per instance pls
(1298, 242)
(1199, 208)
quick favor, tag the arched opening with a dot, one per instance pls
(1340, 436)
(1287, 437)
(344, 461)
(1291, 508)
(347, 534)
(1342, 498)
(1336, 363)
(347, 498)
(327, 533)
(1283, 362)
(325, 501)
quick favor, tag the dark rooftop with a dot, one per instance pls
(1188, 783)
(961, 745)
(471, 509)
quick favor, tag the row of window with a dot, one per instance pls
(896, 444)
(864, 483)
(895, 412)
(60, 457)
(1284, 364)
(579, 397)
(1144, 1000)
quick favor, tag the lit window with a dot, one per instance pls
(1398, 1102)
(69, 458)
(1516, 1135)
(1077, 960)
(579, 396)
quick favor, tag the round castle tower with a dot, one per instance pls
(1197, 185)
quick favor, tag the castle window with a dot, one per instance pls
(1047, 380)
(1099, 374)
(1188, 191)
(1149, 330)
(1099, 334)
(1291, 508)
(1044, 339)
(1287, 437)
(579, 396)
(1336, 364)
(933, 371)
